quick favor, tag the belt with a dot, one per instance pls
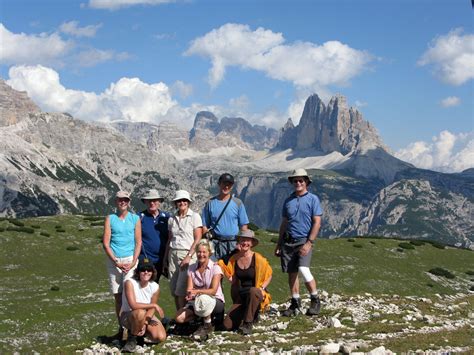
(221, 238)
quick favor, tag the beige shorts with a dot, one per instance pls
(116, 276)
(178, 278)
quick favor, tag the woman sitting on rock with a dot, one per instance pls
(204, 292)
(250, 274)
(139, 304)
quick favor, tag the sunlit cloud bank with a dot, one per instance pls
(452, 57)
(52, 50)
(21, 48)
(304, 64)
(127, 99)
(447, 152)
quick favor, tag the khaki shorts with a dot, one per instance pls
(178, 278)
(116, 276)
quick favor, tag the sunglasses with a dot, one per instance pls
(300, 181)
(123, 199)
(181, 201)
(147, 269)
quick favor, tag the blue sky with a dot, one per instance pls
(407, 65)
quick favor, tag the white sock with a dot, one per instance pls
(295, 295)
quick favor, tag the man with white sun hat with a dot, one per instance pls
(301, 221)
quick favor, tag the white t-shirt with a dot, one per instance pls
(182, 230)
(142, 294)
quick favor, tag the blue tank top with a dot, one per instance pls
(122, 240)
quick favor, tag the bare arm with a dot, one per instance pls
(138, 241)
(106, 239)
(197, 237)
(313, 234)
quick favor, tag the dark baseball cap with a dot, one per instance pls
(226, 177)
(144, 264)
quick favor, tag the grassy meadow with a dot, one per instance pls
(55, 296)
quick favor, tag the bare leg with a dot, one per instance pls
(311, 286)
(294, 282)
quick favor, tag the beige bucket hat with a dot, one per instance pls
(182, 195)
(299, 173)
(152, 194)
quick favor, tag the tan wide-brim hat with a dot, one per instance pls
(299, 173)
(122, 194)
(248, 234)
(182, 195)
(152, 194)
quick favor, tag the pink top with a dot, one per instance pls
(204, 280)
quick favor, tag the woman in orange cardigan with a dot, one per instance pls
(250, 274)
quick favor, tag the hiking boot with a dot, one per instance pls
(131, 344)
(294, 309)
(246, 328)
(314, 307)
(202, 333)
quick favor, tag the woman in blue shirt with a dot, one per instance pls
(122, 243)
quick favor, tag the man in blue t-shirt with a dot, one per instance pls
(154, 230)
(300, 224)
(227, 227)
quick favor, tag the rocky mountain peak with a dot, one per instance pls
(14, 105)
(208, 132)
(335, 127)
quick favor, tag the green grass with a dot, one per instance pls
(54, 290)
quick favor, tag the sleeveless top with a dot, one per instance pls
(142, 294)
(122, 240)
(246, 276)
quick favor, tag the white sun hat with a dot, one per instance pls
(182, 195)
(204, 305)
(299, 173)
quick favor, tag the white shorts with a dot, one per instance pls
(116, 276)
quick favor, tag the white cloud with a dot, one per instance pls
(72, 28)
(447, 152)
(127, 99)
(94, 56)
(452, 57)
(360, 103)
(304, 64)
(117, 4)
(32, 49)
(450, 101)
(182, 89)
(241, 103)
(50, 50)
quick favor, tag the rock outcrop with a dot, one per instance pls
(208, 132)
(14, 105)
(335, 127)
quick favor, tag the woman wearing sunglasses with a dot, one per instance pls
(122, 241)
(139, 305)
(185, 231)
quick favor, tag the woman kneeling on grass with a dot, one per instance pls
(204, 293)
(139, 304)
(250, 274)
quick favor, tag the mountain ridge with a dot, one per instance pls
(52, 163)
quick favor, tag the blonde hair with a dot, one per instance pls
(206, 243)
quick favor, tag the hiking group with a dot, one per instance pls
(196, 253)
